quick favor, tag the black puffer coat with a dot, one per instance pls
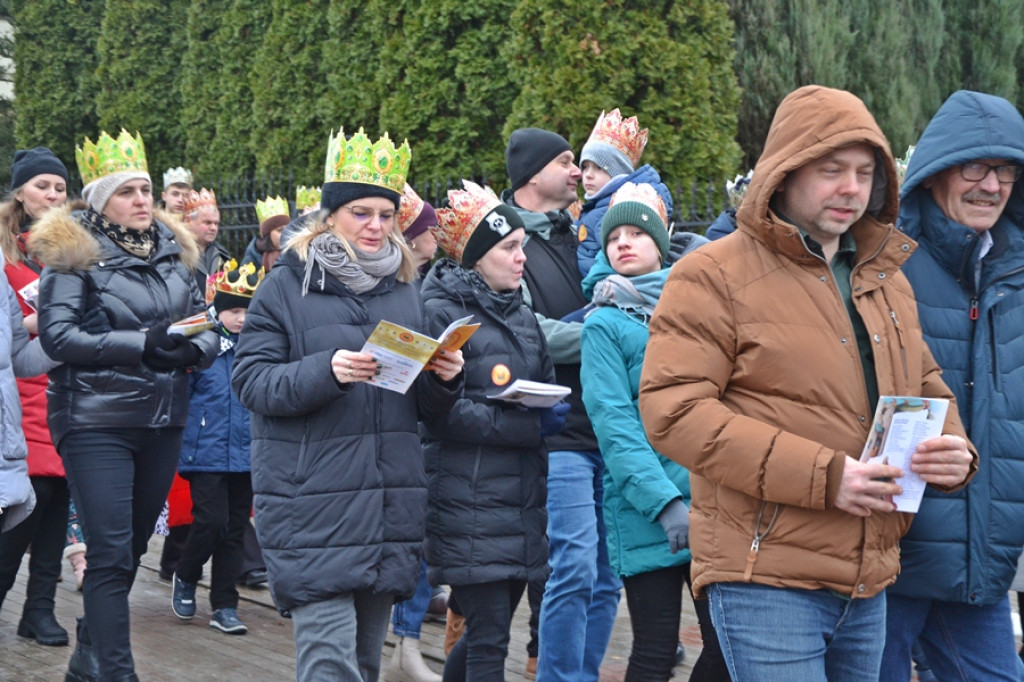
(486, 464)
(340, 491)
(103, 383)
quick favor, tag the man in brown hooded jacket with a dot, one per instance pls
(767, 354)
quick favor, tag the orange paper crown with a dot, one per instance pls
(468, 207)
(623, 134)
(644, 194)
(202, 200)
(410, 208)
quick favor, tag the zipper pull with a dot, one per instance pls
(752, 558)
(974, 308)
(899, 327)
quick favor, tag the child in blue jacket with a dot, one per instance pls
(215, 461)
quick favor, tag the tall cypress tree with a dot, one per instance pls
(54, 84)
(441, 77)
(288, 81)
(670, 64)
(200, 88)
(137, 80)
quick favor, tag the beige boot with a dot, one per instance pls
(407, 664)
(75, 554)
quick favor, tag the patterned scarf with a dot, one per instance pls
(138, 243)
(359, 275)
(477, 281)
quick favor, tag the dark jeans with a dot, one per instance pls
(45, 530)
(220, 512)
(479, 655)
(535, 595)
(174, 543)
(119, 481)
(655, 600)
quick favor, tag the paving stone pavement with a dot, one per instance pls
(169, 650)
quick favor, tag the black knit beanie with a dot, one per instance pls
(495, 226)
(337, 194)
(528, 151)
(29, 163)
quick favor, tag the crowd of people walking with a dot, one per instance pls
(719, 395)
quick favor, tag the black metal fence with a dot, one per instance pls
(696, 206)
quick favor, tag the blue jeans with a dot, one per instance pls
(773, 634)
(960, 641)
(407, 616)
(582, 594)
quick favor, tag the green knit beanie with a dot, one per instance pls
(639, 215)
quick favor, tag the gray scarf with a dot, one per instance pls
(619, 291)
(359, 275)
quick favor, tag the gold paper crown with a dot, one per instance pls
(237, 281)
(642, 193)
(108, 156)
(270, 207)
(410, 208)
(306, 197)
(202, 200)
(359, 160)
(623, 134)
(468, 208)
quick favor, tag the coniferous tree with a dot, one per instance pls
(7, 145)
(200, 87)
(670, 64)
(137, 79)
(288, 81)
(990, 35)
(54, 84)
(441, 79)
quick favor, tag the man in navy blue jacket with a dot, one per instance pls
(963, 201)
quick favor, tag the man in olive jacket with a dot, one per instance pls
(768, 351)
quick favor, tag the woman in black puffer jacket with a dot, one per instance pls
(115, 278)
(487, 463)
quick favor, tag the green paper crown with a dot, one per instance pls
(359, 160)
(270, 207)
(109, 156)
(306, 197)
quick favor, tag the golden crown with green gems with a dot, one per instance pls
(108, 156)
(357, 159)
(270, 207)
(306, 197)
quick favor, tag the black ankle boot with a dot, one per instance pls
(83, 666)
(42, 626)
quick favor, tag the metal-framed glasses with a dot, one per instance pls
(976, 171)
(364, 215)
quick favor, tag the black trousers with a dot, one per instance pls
(45, 530)
(655, 600)
(479, 655)
(119, 481)
(220, 512)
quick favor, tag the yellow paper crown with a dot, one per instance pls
(467, 209)
(306, 197)
(270, 207)
(108, 156)
(623, 134)
(202, 200)
(238, 281)
(358, 160)
(642, 193)
(410, 208)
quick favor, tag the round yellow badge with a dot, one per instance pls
(500, 374)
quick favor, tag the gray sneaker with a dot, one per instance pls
(183, 598)
(226, 620)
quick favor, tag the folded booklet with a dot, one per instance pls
(404, 353)
(532, 393)
(901, 424)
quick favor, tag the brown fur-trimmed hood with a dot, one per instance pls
(59, 241)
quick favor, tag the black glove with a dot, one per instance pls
(552, 419)
(674, 518)
(184, 354)
(157, 337)
(95, 321)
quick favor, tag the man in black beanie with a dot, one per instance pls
(544, 180)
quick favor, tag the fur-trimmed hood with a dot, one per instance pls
(59, 241)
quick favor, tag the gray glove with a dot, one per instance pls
(674, 518)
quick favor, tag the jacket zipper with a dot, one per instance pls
(759, 535)
(903, 346)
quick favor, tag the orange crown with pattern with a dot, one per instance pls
(410, 208)
(203, 200)
(643, 193)
(467, 208)
(623, 134)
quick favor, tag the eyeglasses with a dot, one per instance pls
(976, 172)
(363, 215)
